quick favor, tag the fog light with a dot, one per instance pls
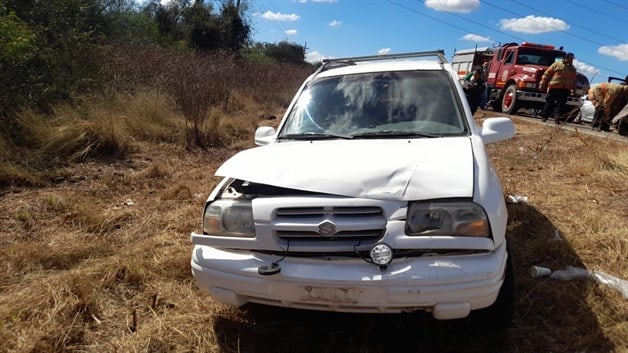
(381, 255)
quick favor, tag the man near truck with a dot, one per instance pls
(560, 81)
(609, 99)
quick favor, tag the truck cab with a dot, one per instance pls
(513, 72)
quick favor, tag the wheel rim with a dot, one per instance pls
(508, 98)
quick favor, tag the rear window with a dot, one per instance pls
(422, 102)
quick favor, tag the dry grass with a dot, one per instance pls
(99, 261)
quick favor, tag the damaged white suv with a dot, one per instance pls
(375, 194)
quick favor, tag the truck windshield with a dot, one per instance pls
(399, 103)
(537, 57)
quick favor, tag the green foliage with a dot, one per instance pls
(199, 26)
(17, 49)
(132, 28)
(202, 27)
(256, 55)
(285, 52)
(234, 29)
(52, 56)
(16, 40)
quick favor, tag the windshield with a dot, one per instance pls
(372, 105)
(538, 57)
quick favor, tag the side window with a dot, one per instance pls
(509, 57)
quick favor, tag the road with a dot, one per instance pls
(582, 128)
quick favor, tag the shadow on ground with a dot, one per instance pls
(550, 315)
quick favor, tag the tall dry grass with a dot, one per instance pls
(205, 85)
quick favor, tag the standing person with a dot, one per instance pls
(608, 100)
(560, 81)
(473, 89)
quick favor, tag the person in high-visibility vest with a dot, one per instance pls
(609, 99)
(560, 81)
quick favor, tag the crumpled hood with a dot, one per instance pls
(397, 169)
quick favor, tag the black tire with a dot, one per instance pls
(496, 105)
(500, 314)
(509, 103)
(622, 126)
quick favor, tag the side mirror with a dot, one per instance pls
(497, 129)
(264, 135)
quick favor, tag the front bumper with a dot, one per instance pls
(449, 286)
(539, 98)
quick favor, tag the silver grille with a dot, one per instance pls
(329, 223)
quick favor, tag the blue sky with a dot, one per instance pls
(596, 31)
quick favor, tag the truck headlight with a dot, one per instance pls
(232, 218)
(453, 218)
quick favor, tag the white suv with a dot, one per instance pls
(374, 195)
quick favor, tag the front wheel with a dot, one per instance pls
(509, 100)
(622, 126)
(500, 314)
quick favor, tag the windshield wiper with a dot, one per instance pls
(314, 136)
(390, 133)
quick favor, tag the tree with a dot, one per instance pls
(202, 27)
(235, 30)
(62, 35)
(17, 50)
(286, 52)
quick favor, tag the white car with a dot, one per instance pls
(587, 110)
(375, 194)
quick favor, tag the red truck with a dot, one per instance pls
(512, 73)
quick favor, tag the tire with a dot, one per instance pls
(500, 314)
(496, 105)
(622, 127)
(509, 103)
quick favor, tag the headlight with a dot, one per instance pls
(454, 218)
(232, 218)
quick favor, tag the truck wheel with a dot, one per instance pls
(509, 100)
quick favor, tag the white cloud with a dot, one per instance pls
(464, 6)
(335, 23)
(585, 69)
(533, 24)
(476, 38)
(314, 57)
(277, 16)
(618, 51)
(383, 51)
(291, 32)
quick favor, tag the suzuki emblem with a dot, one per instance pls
(327, 229)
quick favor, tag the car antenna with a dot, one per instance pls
(273, 268)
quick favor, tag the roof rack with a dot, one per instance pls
(327, 63)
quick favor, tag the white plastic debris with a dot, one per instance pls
(517, 199)
(620, 284)
(129, 202)
(571, 273)
(538, 271)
